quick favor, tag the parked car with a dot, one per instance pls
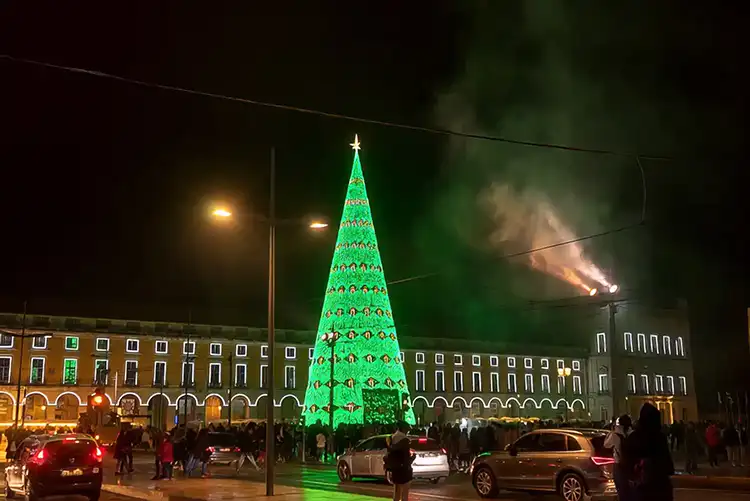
(223, 447)
(366, 459)
(52, 465)
(572, 463)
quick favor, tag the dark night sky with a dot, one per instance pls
(104, 182)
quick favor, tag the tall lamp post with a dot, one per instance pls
(225, 213)
(564, 373)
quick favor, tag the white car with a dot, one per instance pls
(366, 459)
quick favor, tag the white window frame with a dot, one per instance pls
(440, 388)
(642, 346)
(512, 383)
(243, 384)
(666, 345)
(419, 378)
(106, 369)
(75, 380)
(419, 357)
(545, 383)
(679, 347)
(560, 384)
(658, 383)
(260, 381)
(290, 353)
(528, 363)
(601, 342)
(43, 337)
(44, 369)
(576, 365)
(476, 360)
(627, 340)
(528, 383)
(458, 381)
(603, 383)
(632, 388)
(545, 363)
(475, 380)
(78, 343)
(670, 385)
(125, 376)
(439, 359)
(156, 364)
(653, 342)
(214, 349)
(96, 346)
(192, 373)
(494, 382)
(458, 359)
(210, 371)
(645, 384)
(7, 346)
(577, 390)
(10, 370)
(511, 361)
(683, 385)
(243, 347)
(264, 351)
(402, 355)
(286, 377)
(166, 347)
(137, 345)
(310, 353)
(561, 364)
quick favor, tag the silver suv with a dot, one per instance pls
(572, 463)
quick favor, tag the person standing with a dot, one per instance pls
(615, 440)
(320, 440)
(646, 459)
(166, 455)
(692, 447)
(398, 461)
(713, 442)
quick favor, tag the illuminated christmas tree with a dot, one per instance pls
(356, 324)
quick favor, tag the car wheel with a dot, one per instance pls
(485, 482)
(572, 487)
(435, 480)
(344, 474)
(389, 476)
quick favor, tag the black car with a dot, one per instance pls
(52, 465)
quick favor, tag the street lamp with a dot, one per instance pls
(564, 373)
(223, 212)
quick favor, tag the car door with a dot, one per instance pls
(550, 458)
(519, 468)
(378, 451)
(17, 468)
(361, 458)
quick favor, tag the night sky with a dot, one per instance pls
(106, 183)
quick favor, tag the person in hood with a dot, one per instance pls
(646, 459)
(398, 461)
(615, 440)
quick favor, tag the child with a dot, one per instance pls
(166, 455)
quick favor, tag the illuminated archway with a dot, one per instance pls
(213, 408)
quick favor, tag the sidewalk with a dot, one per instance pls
(216, 489)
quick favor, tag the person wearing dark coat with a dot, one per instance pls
(645, 455)
(398, 461)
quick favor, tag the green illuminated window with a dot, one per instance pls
(70, 371)
(71, 343)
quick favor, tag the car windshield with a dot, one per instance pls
(221, 439)
(424, 444)
(597, 441)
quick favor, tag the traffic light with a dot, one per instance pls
(97, 406)
(97, 399)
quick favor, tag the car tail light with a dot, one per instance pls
(422, 440)
(210, 449)
(444, 451)
(98, 454)
(412, 451)
(601, 461)
(39, 457)
(236, 449)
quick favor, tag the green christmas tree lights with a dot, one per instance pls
(356, 324)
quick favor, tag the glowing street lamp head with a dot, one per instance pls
(318, 225)
(593, 292)
(221, 212)
(613, 288)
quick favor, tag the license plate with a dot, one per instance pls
(72, 473)
(225, 450)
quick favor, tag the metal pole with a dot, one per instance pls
(270, 435)
(20, 365)
(231, 383)
(185, 381)
(331, 382)
(612, 334)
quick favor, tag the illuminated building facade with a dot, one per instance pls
(153, 368)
